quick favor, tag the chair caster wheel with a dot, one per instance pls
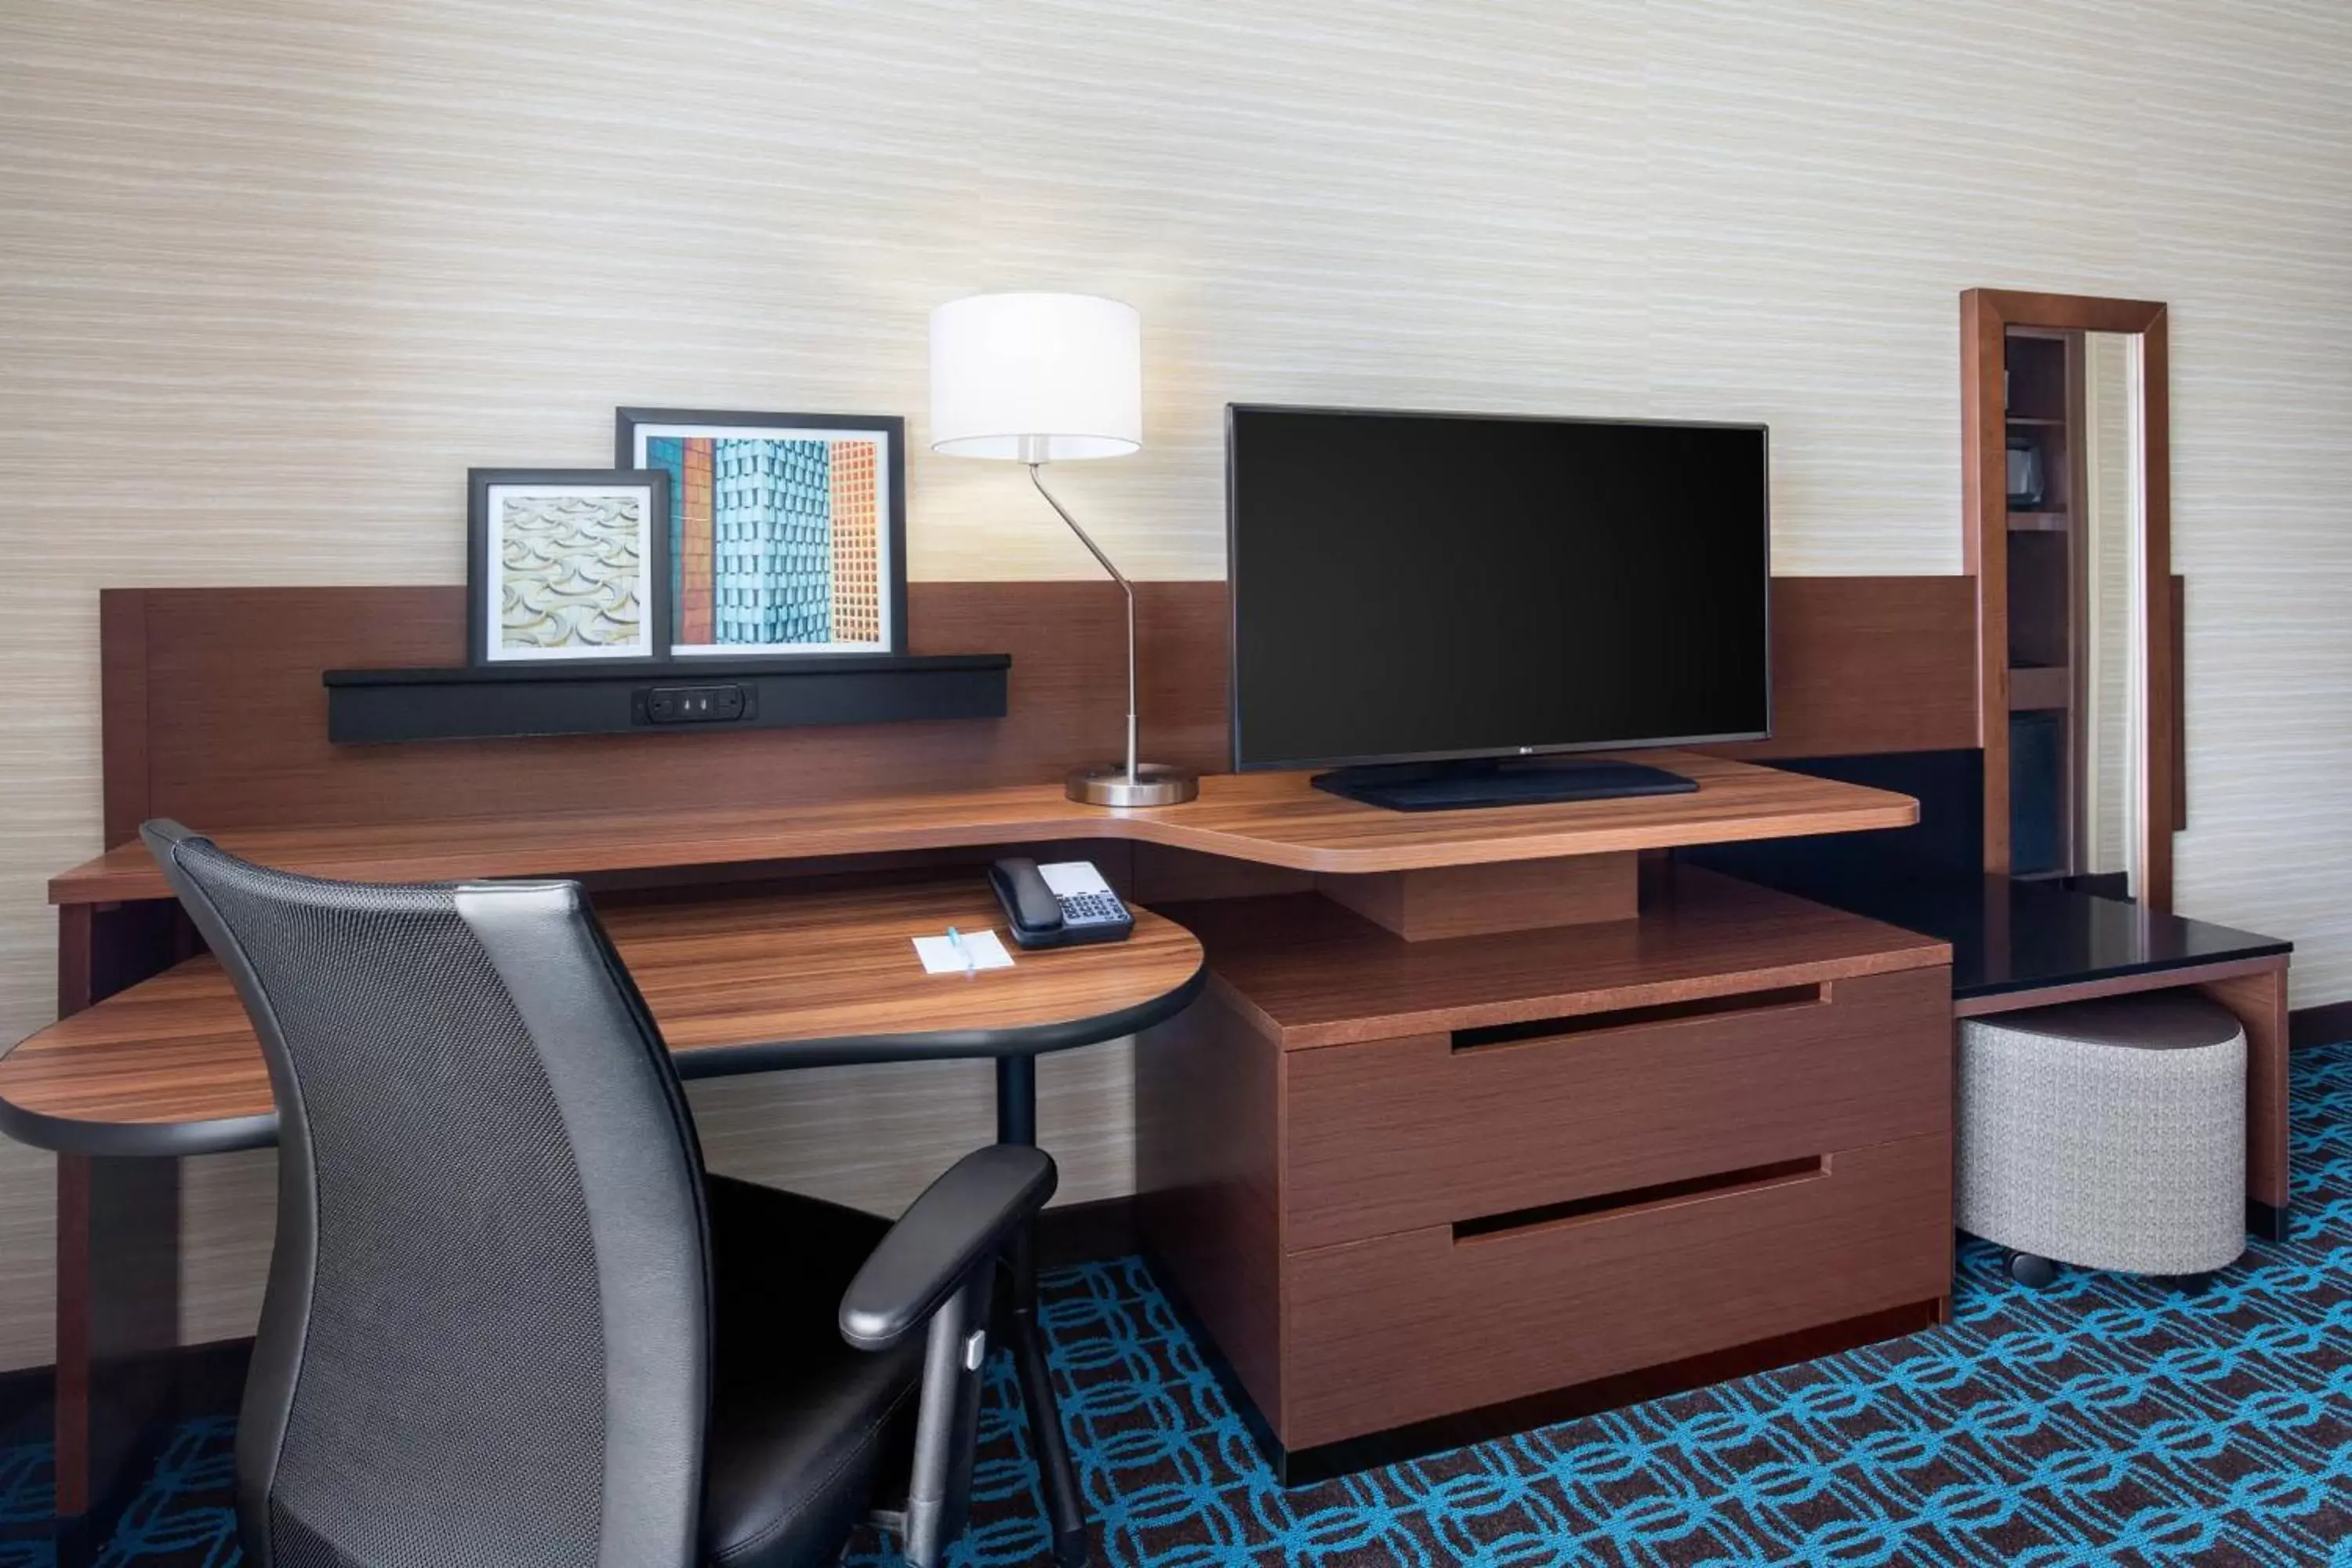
(2033, 1273)
(1070, 1550)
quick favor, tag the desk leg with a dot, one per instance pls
(1016, 1123)
(118, 1301)
(118, 1321)
(2260, 1003)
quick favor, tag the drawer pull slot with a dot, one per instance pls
(1776, 998)
(1752, 1178)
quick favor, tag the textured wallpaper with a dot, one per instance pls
(274, 272)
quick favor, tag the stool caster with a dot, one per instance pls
(2033, 1273)
(2193, 1284)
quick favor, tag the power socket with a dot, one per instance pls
(693, 705)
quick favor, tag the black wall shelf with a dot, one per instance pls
(684, 697)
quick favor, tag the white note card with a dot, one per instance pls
(980, 947)
(1068, 879)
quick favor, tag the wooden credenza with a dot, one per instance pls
(1398, 1183)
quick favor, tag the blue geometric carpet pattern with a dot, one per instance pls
(2104, 1421)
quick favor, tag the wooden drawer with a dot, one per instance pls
(1406, 1328)
(1393, 1135)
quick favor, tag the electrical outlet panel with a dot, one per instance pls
(694, 705)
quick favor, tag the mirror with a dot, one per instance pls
(2065, 423)
(2073, 452)
(2110, 725)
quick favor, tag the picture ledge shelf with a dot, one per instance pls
(677, 696)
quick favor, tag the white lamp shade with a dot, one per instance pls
(1036, 378)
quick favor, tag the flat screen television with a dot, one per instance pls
(1446, 601)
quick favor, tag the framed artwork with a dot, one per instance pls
(566, 564)
(787, 532)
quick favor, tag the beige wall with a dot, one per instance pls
(272, 273)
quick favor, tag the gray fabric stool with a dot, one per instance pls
(2110, 1134)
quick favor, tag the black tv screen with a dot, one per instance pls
(1411, 586)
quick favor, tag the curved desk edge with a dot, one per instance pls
(136, 1140)
(937, 1044)
(172, 1139)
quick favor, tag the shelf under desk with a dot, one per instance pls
(744, 982)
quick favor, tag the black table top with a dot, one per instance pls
(2008, 935)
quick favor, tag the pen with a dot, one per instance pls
(955, 943)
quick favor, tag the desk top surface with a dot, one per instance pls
(2011, 937)
(1272, 818)
(743, 982)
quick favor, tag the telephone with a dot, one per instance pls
(1058, 905)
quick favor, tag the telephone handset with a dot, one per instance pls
(1060, 904)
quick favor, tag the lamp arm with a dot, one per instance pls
(1127, 587)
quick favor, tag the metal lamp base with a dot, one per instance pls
(1154, 784)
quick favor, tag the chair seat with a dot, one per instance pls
(801, 1425)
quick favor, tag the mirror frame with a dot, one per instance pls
(1986, 316)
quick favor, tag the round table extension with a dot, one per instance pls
(737, 982)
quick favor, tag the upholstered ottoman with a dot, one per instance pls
(2110, 1134)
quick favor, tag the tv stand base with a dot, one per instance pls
(1506, 895)
(1498, 781)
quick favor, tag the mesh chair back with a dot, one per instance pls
(486, 1338)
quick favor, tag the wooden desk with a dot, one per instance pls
(119, 1232)
(1271, 819)
(739, 982)
(213, 711)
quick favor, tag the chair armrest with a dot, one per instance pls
(960, 1222)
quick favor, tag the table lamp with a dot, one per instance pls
(1042, 378)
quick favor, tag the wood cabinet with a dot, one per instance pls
(1430, 1323)
(1433, 1128)
(1493, 1167)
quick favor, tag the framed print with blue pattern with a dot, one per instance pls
(787, 532)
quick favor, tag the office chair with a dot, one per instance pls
(510, 1319)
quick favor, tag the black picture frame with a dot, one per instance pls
(484, 574)
(629, 425)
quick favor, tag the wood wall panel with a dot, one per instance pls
(123, 663)
(211, 699)
(1870, 664)
(236, 717)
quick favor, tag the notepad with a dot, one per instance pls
(939, 956)
(1072, 878)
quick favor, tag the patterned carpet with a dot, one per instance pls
(2104, 1421)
